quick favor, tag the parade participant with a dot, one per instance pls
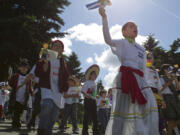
(21, 85)
(134, 110)
(109, 96)
(154, 82)
(2, 84)
(36, 106)
(27, 113)
(53, 76)
(6, 99)
(102, 105)
(170, 87)
(71, 104)
(90, 107)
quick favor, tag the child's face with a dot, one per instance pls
(110, 92)
(71, 83)
(130, 30)
(104, 95)
(166, 71)
(58, 48)
(23, 69)
(93, 76)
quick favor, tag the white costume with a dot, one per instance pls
(153, 79)
(90, 86)
(129, 118)
(72, 90)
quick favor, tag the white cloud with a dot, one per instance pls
(141, 39)
(90, 60)
(92, 34)
(109, 78)
(109, 62)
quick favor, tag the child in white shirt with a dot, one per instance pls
(102, 105)
(71, 104)
(21, 85)
(90, 107)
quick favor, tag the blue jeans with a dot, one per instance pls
(103, 118)
(48, 115)
(70, 110)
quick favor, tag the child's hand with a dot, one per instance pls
(30, 77)
(102, 12)
(75, 95)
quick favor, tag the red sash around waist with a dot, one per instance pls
(130, 85)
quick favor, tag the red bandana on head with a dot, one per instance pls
(58, 42)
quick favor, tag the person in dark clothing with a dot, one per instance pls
(21, 85)
(36, 107)
(90, 107)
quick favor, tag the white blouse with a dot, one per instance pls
(152, 78)
(129, 55)
(72, 90)
(20, 94)
(166, 90)
(89, 84)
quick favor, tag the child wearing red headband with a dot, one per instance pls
(53, 81)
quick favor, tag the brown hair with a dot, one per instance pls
(102, 91)
(125, 26)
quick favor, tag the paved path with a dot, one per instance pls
(5, 129)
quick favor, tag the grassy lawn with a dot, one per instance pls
(70, 125)
(79, 125)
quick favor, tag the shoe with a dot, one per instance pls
(16, 128)
(40, 132)
(66, 127)
(62, 130)
(86, 133)
(97, 133)
(75, 132)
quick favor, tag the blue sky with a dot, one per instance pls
(158, 17)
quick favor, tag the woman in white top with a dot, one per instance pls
(134, 110)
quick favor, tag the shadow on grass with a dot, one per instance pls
(59, 133)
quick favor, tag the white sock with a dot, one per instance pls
(176, 130)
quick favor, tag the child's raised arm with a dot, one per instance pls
(107, 36)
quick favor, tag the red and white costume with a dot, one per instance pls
(134, 109)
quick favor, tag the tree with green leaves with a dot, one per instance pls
(161, 56)
(173, 54)
(73, 65)
(25, 25)
(150, 43)
(99, 86)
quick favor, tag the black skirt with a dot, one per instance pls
(172, 110)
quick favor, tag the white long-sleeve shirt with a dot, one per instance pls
(129, 55)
